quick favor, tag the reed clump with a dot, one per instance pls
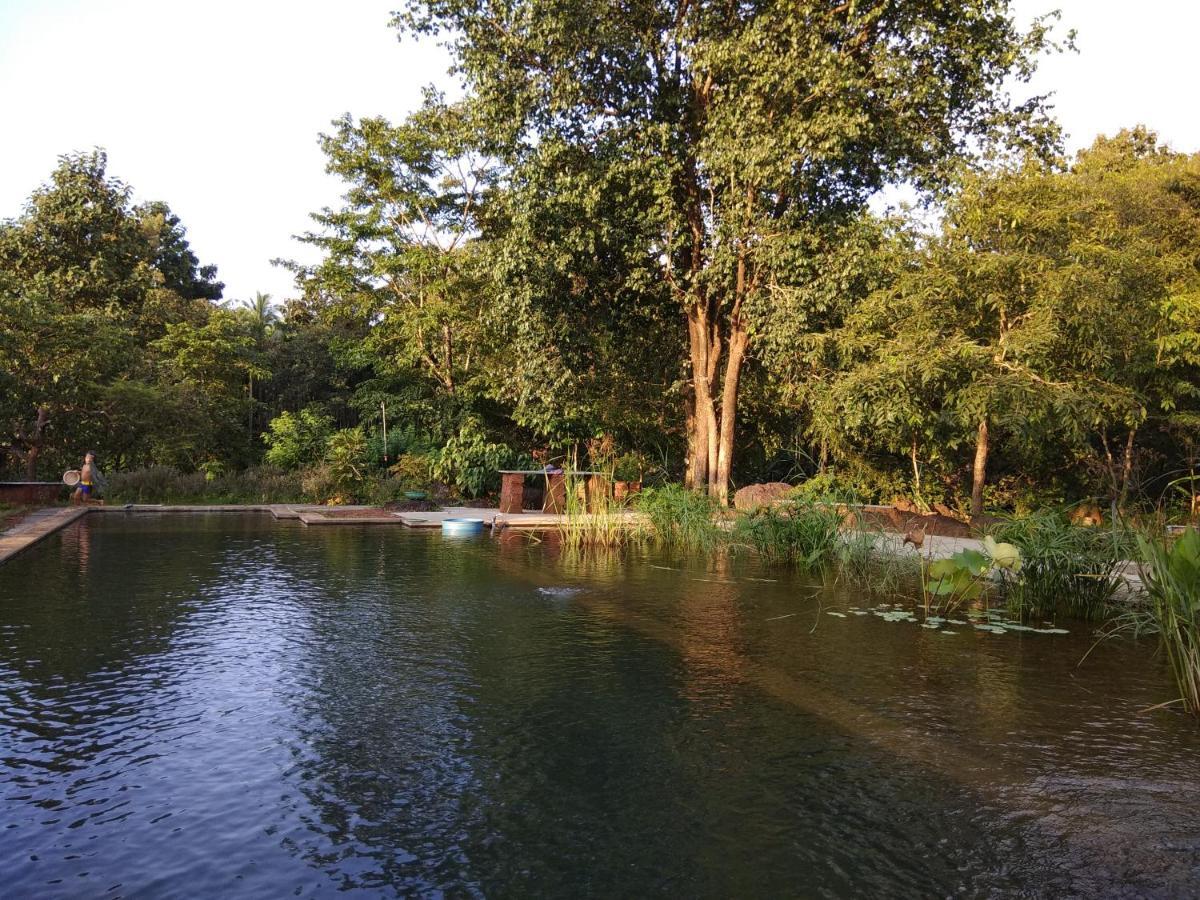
(680, 518)
(1171, 575)
(1067, 570)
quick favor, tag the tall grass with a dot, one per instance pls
(1171, 575)
(681, 519)
(806, 535)
(595, 520)
(1067, 570)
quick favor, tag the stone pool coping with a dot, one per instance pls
(39, 524)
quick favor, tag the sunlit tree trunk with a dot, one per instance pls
(979, 474)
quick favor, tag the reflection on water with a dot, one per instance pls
(227, 706)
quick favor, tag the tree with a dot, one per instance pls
(751, 125)
(88, 281)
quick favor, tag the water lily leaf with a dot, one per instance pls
(974, 561)
(1051, 631)
(942, 568)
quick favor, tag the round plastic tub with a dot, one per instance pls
(462, 527)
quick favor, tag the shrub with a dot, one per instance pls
(346, 459)
(165, 484)
(295, 440)
(472, 463)
(412, 469)
(318, 484)
(155, 484)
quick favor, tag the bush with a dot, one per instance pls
(295, 440)
(346, 458)
(472, 463)
(413, 470)
(166, 484)
(155, 484)
(319, 485)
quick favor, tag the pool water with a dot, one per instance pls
(228, 706)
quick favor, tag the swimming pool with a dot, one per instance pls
(223, 705)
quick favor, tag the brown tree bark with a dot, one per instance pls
(979, 473)
(738, 340)
(32, 443)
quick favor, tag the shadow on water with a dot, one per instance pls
(229, 706)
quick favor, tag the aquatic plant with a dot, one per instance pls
(593, 518)
(681, 518)
(1171, 574)
(962, 577)
(1067, 569)
(803, 534)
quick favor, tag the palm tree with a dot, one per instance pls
(262, 314)
(263, 318)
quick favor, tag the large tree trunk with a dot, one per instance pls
(31, 444)
(703, 353)
(979, 474)
(712, 429)
(719, 487)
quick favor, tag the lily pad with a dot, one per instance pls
(994, 629)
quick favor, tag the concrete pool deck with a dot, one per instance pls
(39, 524)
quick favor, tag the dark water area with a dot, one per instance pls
(227, 706)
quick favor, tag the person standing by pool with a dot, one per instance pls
(90, 479)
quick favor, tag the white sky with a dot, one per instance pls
(215, 107)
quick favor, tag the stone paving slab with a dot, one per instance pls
(38, 525)
(316, 517)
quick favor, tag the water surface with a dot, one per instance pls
(229, 706)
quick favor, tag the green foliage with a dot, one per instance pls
(166, 484)
(297, 440)
(806, 535)
(1171, 574)
(681, 518)
(962, 577)
(1067, 570)
(346, 459)
(471, 462)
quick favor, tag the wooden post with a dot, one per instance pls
(512, 492)
(556, 493)
(597, 493)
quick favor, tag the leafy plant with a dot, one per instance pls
(806, 535)
(295, 440)
(472, 462)
(954, 580)
(1171, 574)
(346, 457)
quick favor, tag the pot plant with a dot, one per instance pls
(627, 476)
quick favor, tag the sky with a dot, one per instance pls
(216, 107)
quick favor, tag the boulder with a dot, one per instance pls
(754, 496)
